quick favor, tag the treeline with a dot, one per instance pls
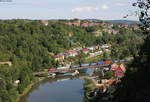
(30, 46)
(134, 87)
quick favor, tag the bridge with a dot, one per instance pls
(84, 67)
(73, 69)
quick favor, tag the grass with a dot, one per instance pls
(93, 59)
(26, 90)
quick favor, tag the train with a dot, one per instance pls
(90, 64)
(62, 68)
(81, 65)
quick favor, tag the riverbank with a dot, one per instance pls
(67, 89)
(89, 87)
(27, 90)
(38, 80)
(41, 79)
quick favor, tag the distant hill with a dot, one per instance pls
(117, 21)
(124, 21)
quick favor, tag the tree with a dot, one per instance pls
(144, 9)
(135, 85)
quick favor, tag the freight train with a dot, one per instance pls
(82, 65)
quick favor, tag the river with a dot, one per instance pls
(64, 90)
(60, 90)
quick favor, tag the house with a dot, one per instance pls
(6, 63)
(86, 24)
(115, 32)
(68, 23)
(148, 28)
(105, 84)
(17, 81)
(123, 68)
(92, 54)
(107, 50)
(109, 31)
(59, 57)
(106, 46)
(114, 67)
(85, 50)
(77, 48)
(76, 22)
(102, 87)
(124, 25)
(104, 81)
(120, 71)
(91, 48)
(135, 27)
(98, 53)
(98, 47)
(97, 33)
(71, 53)
(45, 23)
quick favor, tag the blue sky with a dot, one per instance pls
(66, 9)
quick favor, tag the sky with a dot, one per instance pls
(66, 9)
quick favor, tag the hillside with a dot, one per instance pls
(123, 21)
(29, 45)
(116, 21)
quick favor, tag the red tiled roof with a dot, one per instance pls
(58, 55)
(52, 69)
(72, 51)
(119, 72)
(85, 50)
(122, 67)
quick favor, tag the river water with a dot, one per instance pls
(60, 90)
(64, 90)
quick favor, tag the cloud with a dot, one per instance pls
(104, 6)
(119, 4)
(85, 9)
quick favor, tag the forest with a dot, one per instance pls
(29, 45)
(134, 87)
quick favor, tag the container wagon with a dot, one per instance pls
(83, 65)
(108, 62)
(93, 64)
(52, 69)
(101, 62)
(65, 67)
(74, 66)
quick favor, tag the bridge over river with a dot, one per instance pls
(73, 69)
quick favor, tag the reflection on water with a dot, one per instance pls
(70, 90)
(90, 71)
